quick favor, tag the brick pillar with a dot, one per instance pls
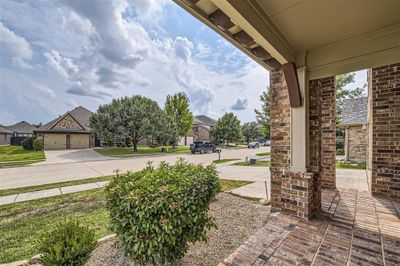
(292, 192)
(322, 114)
(280, 134)
(386, 131)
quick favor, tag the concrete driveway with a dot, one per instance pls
(72, 156)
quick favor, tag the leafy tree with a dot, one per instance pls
(127, 119)
(250, 131)
(263, 115)
(228, 128)
(181, 119)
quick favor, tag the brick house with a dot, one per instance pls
(5, 136)
(303, 53)
(68, 131)
(305, 45)
(355, 123)
(22, 129)
(202, 129)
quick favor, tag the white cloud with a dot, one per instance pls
(43, 90)
(63, 65)
(18, 47)
(117, 48)
(183, 48)
(240, 104)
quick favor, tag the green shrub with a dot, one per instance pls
(68, 244)
(27, 143)
(37, 145)
(156, 212)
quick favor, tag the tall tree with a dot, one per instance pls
(263, 115)
(128, 119)
(250, 131)
(228, 128)
(178, 110)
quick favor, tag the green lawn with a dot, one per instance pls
(350, 165)
(16, 155)
(263, 153)
(22, 223)
(142, 151)
(259, 163)
(224, 160)
(232, 147)
(12, 191)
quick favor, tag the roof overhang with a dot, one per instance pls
(328, 37)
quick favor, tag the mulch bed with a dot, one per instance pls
(237, 220)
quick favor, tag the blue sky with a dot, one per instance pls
(56, 55)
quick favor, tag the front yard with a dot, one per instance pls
(22, 223)
(16, 155)
(142, 151)
(259, 163)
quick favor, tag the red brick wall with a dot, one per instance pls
(386, 131)
(280, 134)
(322, 129)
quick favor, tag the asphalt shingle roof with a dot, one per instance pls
(5, 130)
(202, 119)
(80, 113)
(354, 111)
(22, 128)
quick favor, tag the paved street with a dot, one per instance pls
(39, 174)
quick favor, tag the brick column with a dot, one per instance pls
(280, 134)
(322, 114)
(292, 192)
(386, 131)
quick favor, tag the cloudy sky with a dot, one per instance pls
(58, 54)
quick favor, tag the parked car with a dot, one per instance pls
(253, 145)
(202, 147)
(267, 142)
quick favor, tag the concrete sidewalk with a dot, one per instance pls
(40, 194)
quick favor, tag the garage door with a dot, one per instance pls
(79, 141)
(54, 141)
(189, 140)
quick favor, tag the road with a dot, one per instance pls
(66, 170)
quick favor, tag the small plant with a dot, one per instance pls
(27, 143)
(68, 244)
(37, 145)
(156, 212)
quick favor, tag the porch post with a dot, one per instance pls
(299, 126)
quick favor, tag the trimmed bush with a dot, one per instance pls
(27, 143)
(37, 145)
(156, 212)
(68, 244)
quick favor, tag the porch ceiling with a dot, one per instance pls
(329, 37)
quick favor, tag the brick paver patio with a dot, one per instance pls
(354, 229)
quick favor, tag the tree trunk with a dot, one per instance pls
(135, 146)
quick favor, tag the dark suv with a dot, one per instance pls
(202, 147)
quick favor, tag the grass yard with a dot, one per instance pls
(232, 147)
(22, 223)
(350, 165)
(259, 163)
(263, 153)
(224, 160)
(16, 155)
(142, 151)
(53, 185)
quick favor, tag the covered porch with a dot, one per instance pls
(304, 45)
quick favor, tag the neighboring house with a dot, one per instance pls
(22, 129)
(69, 131)
(5, 136)
(202, 129)
(355, 123)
